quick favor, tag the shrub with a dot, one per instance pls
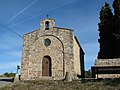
(9, 74)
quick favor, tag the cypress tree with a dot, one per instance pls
(116, 6)
(104, 32)
(116, 28)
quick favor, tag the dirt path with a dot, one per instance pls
(5, 81)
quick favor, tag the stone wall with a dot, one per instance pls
(107, 75)
(60, 51)
(77, 62)
(42, 23)
(107, 62)
(63, 50)
(111, 63)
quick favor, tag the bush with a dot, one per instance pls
(9, 74)
(88, 74)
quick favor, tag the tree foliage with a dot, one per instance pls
(105, 21)
(9, 74)
(109, 31)
(88, 74)
(105, 14)
(116, 6)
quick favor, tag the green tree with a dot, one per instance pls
(9, 74)
(88, 74)
(105, 19)
(116, 6)
(105, 16)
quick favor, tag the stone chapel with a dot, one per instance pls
(50, 52)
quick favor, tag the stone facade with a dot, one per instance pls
(59, 44)
(106, 68)
(107, 62)
(107, 75)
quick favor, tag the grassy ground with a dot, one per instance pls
(61, 85)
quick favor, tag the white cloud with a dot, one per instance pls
(46, 11)
(29, 5)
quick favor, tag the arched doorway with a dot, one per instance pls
(46, 66)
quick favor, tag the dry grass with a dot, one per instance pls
(61, 85)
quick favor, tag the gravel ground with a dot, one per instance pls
(5, 81)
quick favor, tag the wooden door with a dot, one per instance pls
(46, 66)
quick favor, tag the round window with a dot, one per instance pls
(47, 42)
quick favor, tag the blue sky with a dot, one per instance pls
(23, 16)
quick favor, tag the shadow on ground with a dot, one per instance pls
(7, 79)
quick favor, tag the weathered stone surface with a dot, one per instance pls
(68, 77)
(113, 65)
(107, 62)
(16, 79)
(64, 51)
(108, 75)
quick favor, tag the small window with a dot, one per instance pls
(47, 42)
(47, 25)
